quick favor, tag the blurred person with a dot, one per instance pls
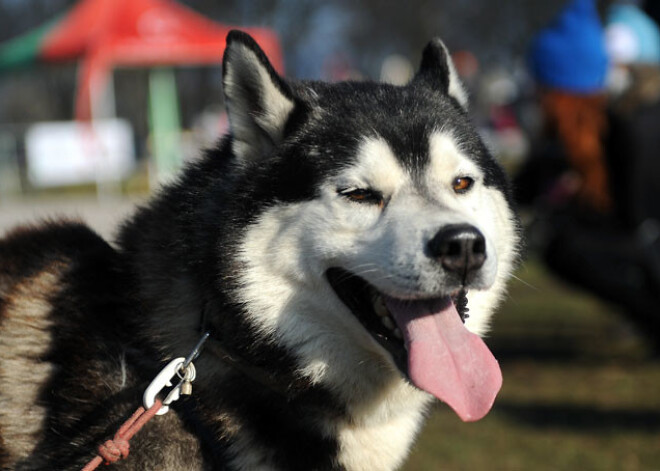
(633, 44)
(571, 177)
(569, 62)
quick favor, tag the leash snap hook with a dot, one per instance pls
(172, 371)
(183, 369)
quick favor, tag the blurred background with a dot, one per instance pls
(101, 101)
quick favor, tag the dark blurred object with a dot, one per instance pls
(652, 8)
(620, 266)
(594, 178)
(633, 144)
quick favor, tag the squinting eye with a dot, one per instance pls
(462, 184)
(361, 195)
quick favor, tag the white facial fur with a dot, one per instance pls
(486, 209)
(289, 248)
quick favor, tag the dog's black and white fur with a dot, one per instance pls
(322, 201)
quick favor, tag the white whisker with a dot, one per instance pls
(529, 285)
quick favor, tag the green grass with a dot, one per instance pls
(581, 391)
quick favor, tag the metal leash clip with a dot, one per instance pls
(182, 368)
(164, 379)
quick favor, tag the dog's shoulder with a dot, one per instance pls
(35, 259)
(65, 321)
(26, 249)
(40, 267)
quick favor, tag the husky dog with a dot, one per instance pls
(329, 245)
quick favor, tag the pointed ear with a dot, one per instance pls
(437, 71)
(258, 101)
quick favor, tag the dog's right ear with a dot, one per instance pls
(258, 101)
(437, 71)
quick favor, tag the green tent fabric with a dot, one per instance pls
(25, 49)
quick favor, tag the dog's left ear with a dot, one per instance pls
(437, 71)
(258, 101)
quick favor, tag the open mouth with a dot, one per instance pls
(369, 306)
(428, 342)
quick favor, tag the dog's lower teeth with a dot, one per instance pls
(387, 322)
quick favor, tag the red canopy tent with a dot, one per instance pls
(109, 33)
(103, 34)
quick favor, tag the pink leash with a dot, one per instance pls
(113, 450)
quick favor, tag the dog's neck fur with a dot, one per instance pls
(348, 434)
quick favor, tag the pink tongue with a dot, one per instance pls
(445, 359)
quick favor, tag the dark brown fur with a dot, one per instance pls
(68, 368)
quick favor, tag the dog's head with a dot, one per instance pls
(375, 208)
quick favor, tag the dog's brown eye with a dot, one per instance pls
(462, 184)
(362, 195)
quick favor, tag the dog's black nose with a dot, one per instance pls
(460, 248)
